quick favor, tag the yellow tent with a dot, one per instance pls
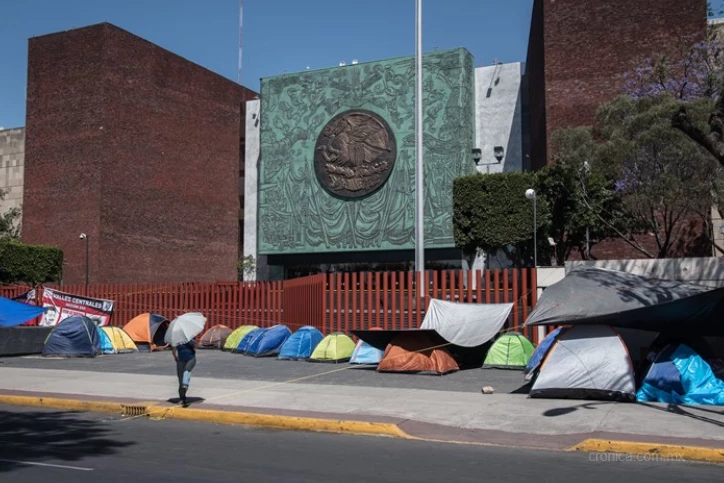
(333, 348)
(119, 339)
(233, 340)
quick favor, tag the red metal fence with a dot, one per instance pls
(398, 300)
(330, 302)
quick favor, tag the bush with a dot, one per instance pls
(491, 212)
(20, 262)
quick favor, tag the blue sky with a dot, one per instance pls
(278, 35)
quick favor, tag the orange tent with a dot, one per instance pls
(413, 352)
(148, 331)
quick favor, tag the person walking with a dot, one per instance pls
(185, 356)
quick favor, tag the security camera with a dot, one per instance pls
(83, 236)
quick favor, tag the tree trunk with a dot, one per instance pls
(712, 142)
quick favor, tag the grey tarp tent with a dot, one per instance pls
(587, 362)
(591, 295)
(462, 328)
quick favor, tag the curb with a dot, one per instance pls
(142, 409)
(134, 410)
(661, 451)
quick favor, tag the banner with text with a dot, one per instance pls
(62, 305)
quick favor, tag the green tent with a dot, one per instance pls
(333, 348)
(510, 351)
(233, 340)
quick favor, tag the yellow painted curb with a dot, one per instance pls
(280, 422)
(693, 453)
(143, 409)
(57, 403)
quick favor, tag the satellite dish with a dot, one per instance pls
(355, 61)
(342, 64)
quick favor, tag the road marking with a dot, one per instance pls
(48, 465)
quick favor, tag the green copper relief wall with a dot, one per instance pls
(297, 215)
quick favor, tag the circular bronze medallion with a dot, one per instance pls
(354, 154)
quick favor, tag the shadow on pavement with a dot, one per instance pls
(551, 413)
(34, 436)
(671, 408)
(676, 409)
(189, 400)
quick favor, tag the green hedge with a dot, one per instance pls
(33, 264)
(491, 211)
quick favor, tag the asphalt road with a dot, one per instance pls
(44, 445)
(224, 365)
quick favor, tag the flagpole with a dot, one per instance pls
(419, 185)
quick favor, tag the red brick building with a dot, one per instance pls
(579, 50)
(140, 149)
(578, 53)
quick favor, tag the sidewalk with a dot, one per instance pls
(506, 419)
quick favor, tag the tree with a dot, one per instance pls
(578, 194)
(246, 267)
(695, 75)
(663, 177)
(491, 212)
(9, 221)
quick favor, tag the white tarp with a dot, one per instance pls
(466, 325)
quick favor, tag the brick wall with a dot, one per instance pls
(137, 147)
(586, 46)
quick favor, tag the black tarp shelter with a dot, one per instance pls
(592, 295)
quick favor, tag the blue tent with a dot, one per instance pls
(365, 354)
(249, 339)
(536, 359)
(270, 342)
(106, 344)
(680, 376)
(301, 344)
(75, 336)
(16, 313)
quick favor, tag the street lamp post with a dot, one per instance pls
(84, 236)
(587, 170)
(531, 195)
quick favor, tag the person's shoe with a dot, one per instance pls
(182, 395)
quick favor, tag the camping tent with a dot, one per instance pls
(365, 354)
(75, 336)
(591, 295)
(270, 341)
(540, 352)
(115, 341)
(215, 337)
(417, 351)
(680, 376)
(333, 348)
(587, 362)
(463, 328)
(148, 331)
(16, 313)
(249, 339)
(510, 351)
(232, 342)
(301, 344)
